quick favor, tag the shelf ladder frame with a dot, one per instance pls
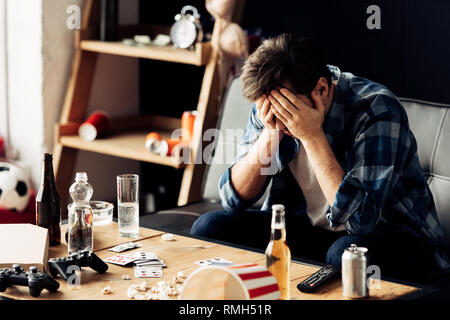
(78, 93)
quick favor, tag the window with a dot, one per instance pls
(3, 73)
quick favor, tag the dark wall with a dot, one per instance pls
(410, 54)
(167, 89)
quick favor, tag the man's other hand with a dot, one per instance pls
(302, 120)
(266, 115)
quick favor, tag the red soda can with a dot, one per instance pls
(188, 124)
(153, 142)
(156, 144)
(168, 146)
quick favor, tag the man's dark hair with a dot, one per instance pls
(285, 58)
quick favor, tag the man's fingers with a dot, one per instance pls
(318, 101)
(292, 98)
(291, 108)
(269, 119)
(260, 101)
(261, 108)
(280, 116)
(279, 125)
(265, 108)
(279, 109)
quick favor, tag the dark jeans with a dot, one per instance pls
(398, 255)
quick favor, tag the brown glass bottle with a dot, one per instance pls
(278, 255)
(48, 203)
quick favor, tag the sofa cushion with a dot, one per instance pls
(231, 124)
(233, 119)
(178, 220)
(430, 123)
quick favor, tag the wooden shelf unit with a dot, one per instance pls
(123, 142)
(124, 145)
(126, 139)
(197, 57)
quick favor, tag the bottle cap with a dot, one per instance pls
(277, 207)
(81, 176)
(48, 156)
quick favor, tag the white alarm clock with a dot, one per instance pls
(187, 29)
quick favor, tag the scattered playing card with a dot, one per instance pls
(157, 263)
(124, 247)
(214, 262)
(145, 255)
(148, 272)
(121, 259)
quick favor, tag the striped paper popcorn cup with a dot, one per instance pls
(237, 282)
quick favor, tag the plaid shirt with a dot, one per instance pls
(384, 185)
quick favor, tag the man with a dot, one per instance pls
(339, 154)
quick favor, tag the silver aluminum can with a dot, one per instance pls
(354, 272)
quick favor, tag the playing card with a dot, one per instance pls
(124, 246)
(148, 272)
(121, 259)
(156, 263)
(215, 262)
(145, 255)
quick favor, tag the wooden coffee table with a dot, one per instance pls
(180, 255)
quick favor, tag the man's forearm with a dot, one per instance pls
(247, 177)
(327, 169)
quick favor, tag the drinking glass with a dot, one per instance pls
(128, 204)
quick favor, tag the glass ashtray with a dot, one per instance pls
(102, 211)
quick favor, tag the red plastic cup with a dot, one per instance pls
(95, 126)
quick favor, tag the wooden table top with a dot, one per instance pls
(180, 255)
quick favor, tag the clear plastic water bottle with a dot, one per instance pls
(80, 230)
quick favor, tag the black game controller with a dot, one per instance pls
(33, 279)
(83, 258)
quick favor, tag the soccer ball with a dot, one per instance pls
(14, 187)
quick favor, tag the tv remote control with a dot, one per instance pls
(318, 278)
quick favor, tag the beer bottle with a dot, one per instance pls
(48, 203)
(278, 255)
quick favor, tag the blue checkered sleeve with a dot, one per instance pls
(230, 199)
(374, 165)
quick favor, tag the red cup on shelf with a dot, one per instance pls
(95, 126)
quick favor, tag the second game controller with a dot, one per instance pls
(84, 258)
